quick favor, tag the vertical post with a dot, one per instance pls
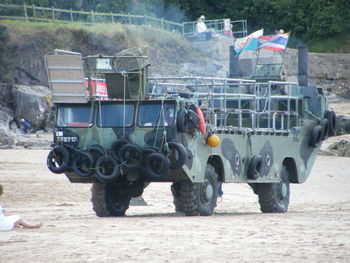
(25, 12)
(162, 23)
(145, 19)
(112, 18)
(53, 14)
(234, 67)
(183, 29)
(302, 65)
(34, 12)
(129, 17)
(92, 17)
(71, 15)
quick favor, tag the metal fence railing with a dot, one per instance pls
(32, 13)
(227, 27)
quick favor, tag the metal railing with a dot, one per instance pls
(226, 27)
(238, 103)
(32, 13)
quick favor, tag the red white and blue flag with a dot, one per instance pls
(277, 43)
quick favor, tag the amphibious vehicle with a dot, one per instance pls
(119, 129)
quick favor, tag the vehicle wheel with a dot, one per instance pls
(107, 200)
(177, 155)
(315, 136)
(58, 159)
(254, 168)
(83, 164)
(175, 190)
(332, 120)
(274, 197)
(325, 129)
(98, 199)
(117, 201)
(200, 198)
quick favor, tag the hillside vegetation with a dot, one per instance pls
(23, 46)
(321, 24)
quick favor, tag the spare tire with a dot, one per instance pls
(131, 155)
(107, 169)
(254, 168)
(58, 159)
(332, 119)
(315, 136)
(116, 147)
(96, 151)
(83, 164)
(157, 165)
(178, 155)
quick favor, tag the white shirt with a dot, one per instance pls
(7, 222)
(201, 27)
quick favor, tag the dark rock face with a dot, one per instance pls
(32, 104)
(5, 138)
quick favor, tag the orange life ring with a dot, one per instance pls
(201, 123)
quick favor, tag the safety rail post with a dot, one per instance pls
(53, 14)
(92, 17)
(71, 15)
(145, 17)
(34, 12)
(162, 21)
(112, 16)
(129, 18)
(25, 12)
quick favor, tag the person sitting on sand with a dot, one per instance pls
(12, 221)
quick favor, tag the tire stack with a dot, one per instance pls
(107, 164)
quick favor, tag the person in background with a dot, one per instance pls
(220, 192)
(8, 222)
(26, 126)
(201, 27)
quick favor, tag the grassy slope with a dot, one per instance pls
(31, 41)
(339, 44)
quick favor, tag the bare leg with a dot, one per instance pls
(20, 222)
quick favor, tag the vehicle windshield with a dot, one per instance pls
(74, 115)
(116, 115)
(156, 114)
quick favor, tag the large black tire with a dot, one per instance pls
(131, 155)
(107, 169)
(175, 191)
(58, 159)
(332, 119)
(98, 200)
(177, 155)
(157, 165)
(116, 146)
(254, 168)
(108, 200)
(274, 197)
(83, 164)
(315, 136)
(200, 198)
(96, 151)
(325, 129)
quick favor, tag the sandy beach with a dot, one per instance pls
(315, 229)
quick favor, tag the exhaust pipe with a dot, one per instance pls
(302, 65)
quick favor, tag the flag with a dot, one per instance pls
(277, 43)
(249, 42)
